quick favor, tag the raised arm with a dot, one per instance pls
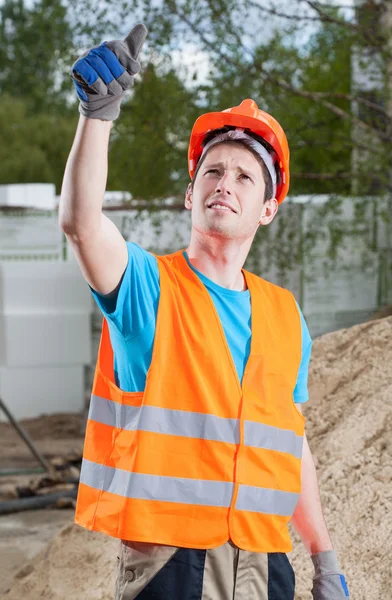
(101, 77)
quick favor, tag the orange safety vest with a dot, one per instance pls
(197, 458)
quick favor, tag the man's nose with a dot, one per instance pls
(223, 186)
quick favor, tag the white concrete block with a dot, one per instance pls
(116, 198)
(32, 195)
(30, 235)
(39, 287)
(31, 392)
(13, 195)
(45, 339)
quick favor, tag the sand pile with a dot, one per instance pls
(349, 430)
(76, 564)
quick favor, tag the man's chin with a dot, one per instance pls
(218, 230)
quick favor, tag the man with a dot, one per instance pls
(195, 445)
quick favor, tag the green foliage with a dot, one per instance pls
(36, 146)
(320, 140)
(35, 43)
(149, 143)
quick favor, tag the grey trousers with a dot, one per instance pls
(149, 571)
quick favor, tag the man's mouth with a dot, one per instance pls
(219, 205)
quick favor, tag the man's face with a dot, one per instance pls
(227, 200)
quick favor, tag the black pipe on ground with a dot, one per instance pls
(19, 504)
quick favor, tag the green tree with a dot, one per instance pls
(149, 142)
(263, 42)
(36, 45)
(36, 145)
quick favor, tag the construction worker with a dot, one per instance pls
(195, 454)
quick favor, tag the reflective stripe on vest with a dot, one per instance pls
(199, 457)
(190, 424)
(186, 491)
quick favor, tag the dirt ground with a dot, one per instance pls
(54, 435)
(22, 536)
(349, 425)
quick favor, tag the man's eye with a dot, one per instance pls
(212, 171)
(244, 176)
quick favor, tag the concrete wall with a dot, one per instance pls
(347, 290)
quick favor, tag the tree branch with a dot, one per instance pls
(332, 107)
(341, 142)
(276, 13)
(336, 6)
(325, 17)
(280, 82)
(322, 16)
(358, 99)
(323, 176)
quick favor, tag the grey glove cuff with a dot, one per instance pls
(328, 582)
(105, 109)
(325, 563)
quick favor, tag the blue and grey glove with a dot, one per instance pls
(103, 73)
(328, 582)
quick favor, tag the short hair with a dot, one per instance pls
(268, 193)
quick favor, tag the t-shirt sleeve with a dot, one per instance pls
(134, 303)
(301, 393)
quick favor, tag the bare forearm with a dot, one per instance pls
(97, 244)
(308, 518)
(85, 177)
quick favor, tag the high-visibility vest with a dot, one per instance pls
(198, 458)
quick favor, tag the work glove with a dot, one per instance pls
(328, 582)
(103, 73)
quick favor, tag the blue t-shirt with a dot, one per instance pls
(131, 313)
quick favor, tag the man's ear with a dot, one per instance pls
(270, 208)
(188, 197)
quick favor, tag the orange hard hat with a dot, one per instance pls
(249, 117)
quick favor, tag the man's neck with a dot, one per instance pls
(220, 264)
